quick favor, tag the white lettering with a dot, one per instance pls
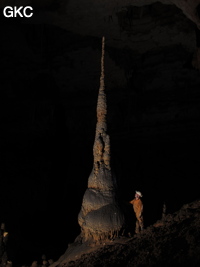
(18, 11)
(9, 13)
(31, 14)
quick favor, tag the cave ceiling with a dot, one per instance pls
(90, 8)
(110, 18)
(127, 23)
(79, 10)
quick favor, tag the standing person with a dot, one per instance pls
(138, 209)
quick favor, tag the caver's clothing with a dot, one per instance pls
(138, 209)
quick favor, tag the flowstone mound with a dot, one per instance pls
(100, 217)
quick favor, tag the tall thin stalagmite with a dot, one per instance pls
(101, 148)
(100, 217)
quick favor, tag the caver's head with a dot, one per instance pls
(138, 194)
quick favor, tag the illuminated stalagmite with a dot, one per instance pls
(100, 216)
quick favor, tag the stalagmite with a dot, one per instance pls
(100, 217)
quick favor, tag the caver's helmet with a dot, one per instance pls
(138, 193)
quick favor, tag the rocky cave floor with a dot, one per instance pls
(172, 241)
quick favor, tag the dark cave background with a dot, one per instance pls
(47, 128)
